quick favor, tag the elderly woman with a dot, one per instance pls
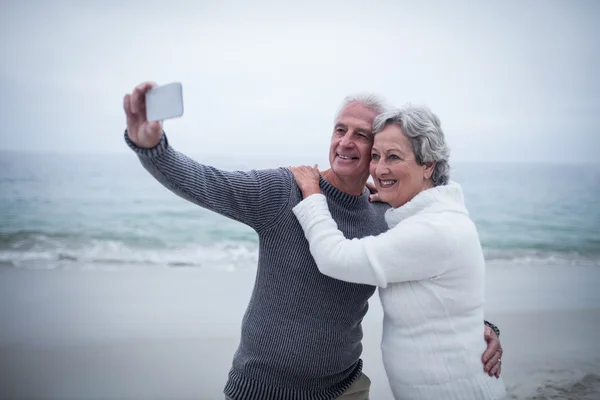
(429, 265)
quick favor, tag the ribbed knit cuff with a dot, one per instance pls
(155, 151)
(310, 208)
(494, 327)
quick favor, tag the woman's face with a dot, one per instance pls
(394, 168)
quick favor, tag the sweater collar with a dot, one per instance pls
(331, 191)
(440, 198)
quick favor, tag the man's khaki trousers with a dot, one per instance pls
(358, 391)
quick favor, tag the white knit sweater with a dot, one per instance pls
(431, 272)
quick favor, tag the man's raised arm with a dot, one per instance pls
(254, 198)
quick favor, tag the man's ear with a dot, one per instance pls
(428, 171)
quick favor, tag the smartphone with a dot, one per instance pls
(164, 102)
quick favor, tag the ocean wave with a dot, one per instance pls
(37, 250)
(540, 257)
(35, 239)
(50, 250)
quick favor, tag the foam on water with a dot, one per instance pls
(39, 251)
(108, 212)
(36, 250)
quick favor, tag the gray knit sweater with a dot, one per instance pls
(301, 333)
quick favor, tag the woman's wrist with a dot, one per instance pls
(310, 191)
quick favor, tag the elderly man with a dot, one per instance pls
(301, 333)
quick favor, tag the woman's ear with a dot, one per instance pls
(428, 171)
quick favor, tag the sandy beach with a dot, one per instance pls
(171, 333)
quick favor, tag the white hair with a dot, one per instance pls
(369, 100)
(424, 131)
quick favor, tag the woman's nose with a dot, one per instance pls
(381, 169)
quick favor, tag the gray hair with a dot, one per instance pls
(423, 129)
(369, 100)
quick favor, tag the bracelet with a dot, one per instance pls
(494, 327)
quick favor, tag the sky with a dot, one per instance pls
(511, 81)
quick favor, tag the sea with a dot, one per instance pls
(102, 211)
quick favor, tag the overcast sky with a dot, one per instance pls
(511, 80)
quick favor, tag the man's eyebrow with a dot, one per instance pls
(341, 125)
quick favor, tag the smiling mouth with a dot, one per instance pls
(387, 183)
(347, 157)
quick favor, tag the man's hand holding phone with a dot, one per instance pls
(146, 107)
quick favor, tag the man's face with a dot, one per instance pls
(350, 150)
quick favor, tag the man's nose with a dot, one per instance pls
(346, 140)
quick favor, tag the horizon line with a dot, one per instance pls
(274, 157)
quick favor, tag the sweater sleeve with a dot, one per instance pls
(415, 249)
(254, 198)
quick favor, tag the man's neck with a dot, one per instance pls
(353, 186)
